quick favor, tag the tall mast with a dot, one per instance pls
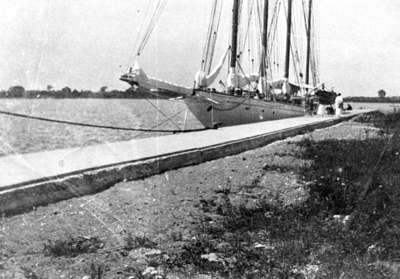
(263, 70)
(288, 38)
(235, 23)
(308, 42)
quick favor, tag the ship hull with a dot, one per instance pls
(218, 109)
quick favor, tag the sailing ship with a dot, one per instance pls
(244, 98)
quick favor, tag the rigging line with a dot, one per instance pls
(159, 9)
(260, 31)
(244, 74)
(157, 12)
(157, 109)
(274, 18)
(316, 48)
(95, 125)
(267, 54)
(273, 31)
(249, 38)
(230, 108)
(242, 34)
(148, 30)
(295, 65)
(295, 42)
(305, 15)
(159, 124)
(291, 46)
(258, 26)
(244, 39)
(260, 20)
(214, 38)
(211, 43)
(208, 38)
(141, 28)
(296, 49)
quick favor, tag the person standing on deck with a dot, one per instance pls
(338, 104)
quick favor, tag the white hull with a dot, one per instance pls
(218, 109)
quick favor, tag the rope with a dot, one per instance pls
(207, 45)
(156, 14)
(72, 123)
(230, 108)
(157, 109)
(272, 32)
(214, 40)
(315, 48)
(244, 74)
(244, 36)
(159, 124)
(305, 15)
(141, 35)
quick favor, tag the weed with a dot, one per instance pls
(29, 273)
(132, 242)
(72, 247)
(97, 270)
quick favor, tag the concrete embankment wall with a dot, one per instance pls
(26, 196)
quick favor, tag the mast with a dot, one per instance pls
(235, 23)
(288, 39)
(308, 42)
(263, 70)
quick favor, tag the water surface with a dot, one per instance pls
(19, 135)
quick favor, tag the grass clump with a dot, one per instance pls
(71, 247)
(133, 242)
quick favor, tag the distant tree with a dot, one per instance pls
(16, 91)
(75, 93)
(382, 93)
(103, 89)
(49, 87)
(65, 92)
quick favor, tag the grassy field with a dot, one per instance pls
(321, 205)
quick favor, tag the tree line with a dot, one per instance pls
(66, 92)
(380, 99)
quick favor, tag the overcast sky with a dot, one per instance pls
(88, 44)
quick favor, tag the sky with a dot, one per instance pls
(89, 44)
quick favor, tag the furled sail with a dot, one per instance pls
(237, 80)
(202, 80)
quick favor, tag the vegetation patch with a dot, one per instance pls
(347, 228)
(71, 247)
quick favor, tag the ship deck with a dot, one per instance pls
(30, 180)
